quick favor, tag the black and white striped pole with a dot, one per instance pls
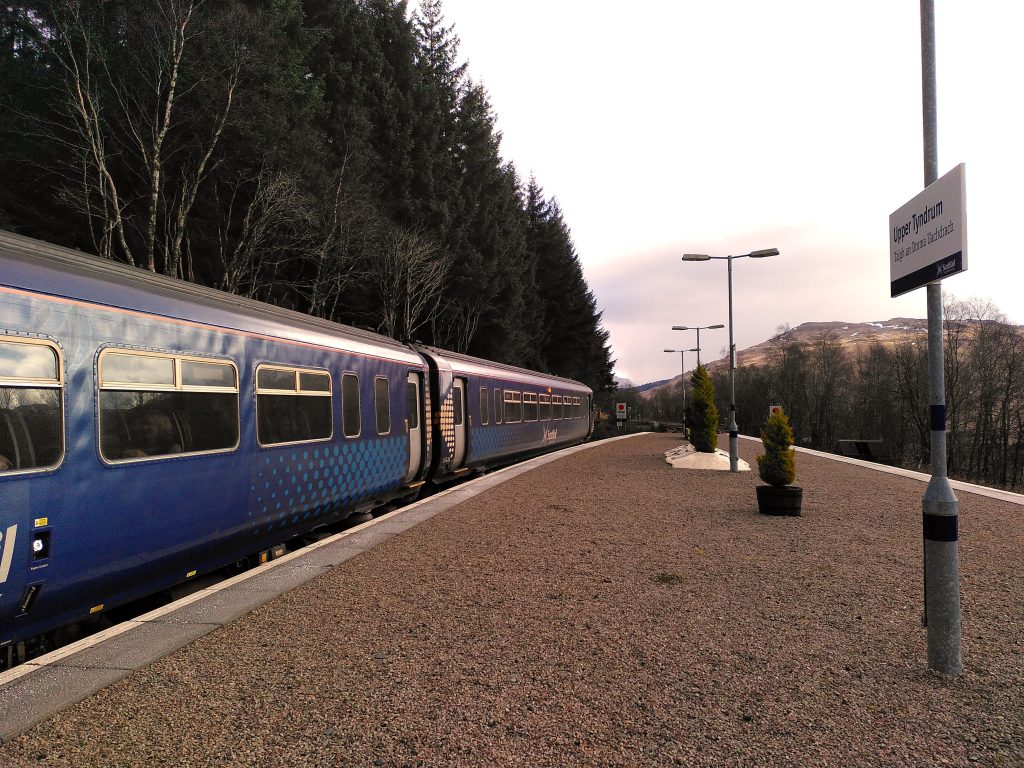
(940, 506)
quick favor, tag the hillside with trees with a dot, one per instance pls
(835, 384)
(330, 156)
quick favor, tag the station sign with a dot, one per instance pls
(620, 411)
(773, 409)
(928, 235)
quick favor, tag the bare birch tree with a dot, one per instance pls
(75, 51)
(408, 275)
(340, 228)
(266, 215)
(455, 325)
(137, 161)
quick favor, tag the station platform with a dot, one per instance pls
(594, 607)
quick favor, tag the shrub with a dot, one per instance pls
(777, 466)
(703, 424)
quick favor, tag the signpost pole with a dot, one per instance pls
(940, 506)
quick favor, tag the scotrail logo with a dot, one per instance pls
(945, 267)
(7, 539)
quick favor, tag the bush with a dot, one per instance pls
(703, 424)
(778, 465)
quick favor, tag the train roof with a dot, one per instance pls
(469, 364)
(42, 267)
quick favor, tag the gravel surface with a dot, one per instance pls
(603, 610)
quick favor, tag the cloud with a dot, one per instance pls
(813, 279)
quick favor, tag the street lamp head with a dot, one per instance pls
(680, 327)
(716, 326)
(670, 350)
(696, 257)
(693, 350)
(762, 254)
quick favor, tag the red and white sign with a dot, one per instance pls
(620, 410)
(773, 409)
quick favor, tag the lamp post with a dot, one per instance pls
(682, 379)
(734, 432)
(698, 329)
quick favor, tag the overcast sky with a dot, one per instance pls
(694, 126)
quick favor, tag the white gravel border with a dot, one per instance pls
(958, 485)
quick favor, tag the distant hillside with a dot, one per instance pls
(654, 384)
(854, 337)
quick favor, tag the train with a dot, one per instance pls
(154, 430)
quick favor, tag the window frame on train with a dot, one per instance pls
(577, 410)
(109, 383)
(485, 401)
(544, 407)
(297, 393)
(458, 405)
(346, 405)
(556, 407)
(25, 382)
(529, 406)
(377, 404)
(512, 406)
(499, 404)
(412, 404)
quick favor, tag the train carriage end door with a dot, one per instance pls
(459, 414)
(414, 425)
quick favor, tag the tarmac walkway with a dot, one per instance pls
(602, 609)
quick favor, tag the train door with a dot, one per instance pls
(459, 417)
(414, 425)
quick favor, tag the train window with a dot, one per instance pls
(513, 407)
(120, 368)
(545, 408)
(529, 406)
(31, 405)
(279, 379)
(207, 375)
(314, 381)
(382, 405)
(292, 405)
(457, 409)
(413, 404)
(556, 406)
(159, 405)
(497, 406)
(484, 400)
(350, 405)
(577, 409)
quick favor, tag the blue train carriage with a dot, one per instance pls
(152, 430)
(492, 414)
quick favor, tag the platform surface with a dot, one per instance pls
(602, 608)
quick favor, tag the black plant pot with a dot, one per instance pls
(779, 501)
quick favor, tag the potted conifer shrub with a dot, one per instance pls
(777, 467)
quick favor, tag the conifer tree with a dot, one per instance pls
(777, 466)
(703, 415)
(351, 126)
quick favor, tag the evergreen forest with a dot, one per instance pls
(329, 156)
